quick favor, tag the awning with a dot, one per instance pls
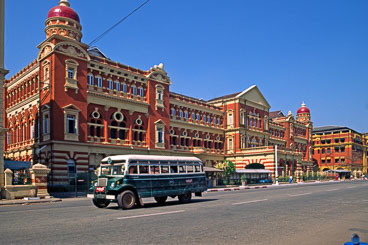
(209, 169)
(16, 165)
(338, 171)
(253, 171)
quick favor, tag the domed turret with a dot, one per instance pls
(303, 114)
(63, 10)
(64, 21)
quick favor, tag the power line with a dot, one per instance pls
(108, 30)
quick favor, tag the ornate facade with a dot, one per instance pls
(72, 106)
(340, 148)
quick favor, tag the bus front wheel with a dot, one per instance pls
(100, 203)
(185, 198)
(126, 199)
(161, 200)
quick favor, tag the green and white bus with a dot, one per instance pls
(126, 179)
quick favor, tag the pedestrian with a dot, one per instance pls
(337, 177)
(290, 179)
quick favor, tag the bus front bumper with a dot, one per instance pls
(101, 196)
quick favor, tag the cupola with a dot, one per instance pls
(64, 21)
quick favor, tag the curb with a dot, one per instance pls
(237, 188)
(21, 201)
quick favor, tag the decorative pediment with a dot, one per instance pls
(45, 50)
(158, 73)
(160, 122)
(254, 95)
(72, 49)
(71, 107)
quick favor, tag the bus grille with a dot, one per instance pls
(102, 182)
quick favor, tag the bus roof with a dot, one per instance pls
(150, 157)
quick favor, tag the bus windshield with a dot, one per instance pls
(112, 169)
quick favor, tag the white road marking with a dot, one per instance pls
(238, 203)
(296, 195)
(349, 187)
(332, 190)
(147, 215)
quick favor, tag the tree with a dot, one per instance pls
(228, 167)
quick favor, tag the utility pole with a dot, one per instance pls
(276, 167)
(3, 72)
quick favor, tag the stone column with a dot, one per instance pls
(39, 179)
(8, 177)
(3, 72)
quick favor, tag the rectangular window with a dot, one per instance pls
(90, 79)
(323, 151)
(134, 90)
(342, 140)
(8, 136)
(99, 82)
(342, 149)
(186, 114)
(328, 150)
(111, 84)
(164, 169)
(46, 124)
(71, 124)
(143, 169)
(32, 132)
(117, 85)
(230, 123)
(124, 88)
(342, 159)
(322, 141)
(323, 161)
(328, 160)
(159, 95)
(141, 92)
(337, 140)
(71, 73)
(159, 135)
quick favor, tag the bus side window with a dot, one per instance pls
(143, 169)
(165, 169)
(181, 169)
(133, 169)
(154, 169)
(173, 169)
(190, 168)
(197, 168)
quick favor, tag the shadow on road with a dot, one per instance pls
(172, 202)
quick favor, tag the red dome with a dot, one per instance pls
(303, 109)
(63, 11)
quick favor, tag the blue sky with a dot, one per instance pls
(306, 50)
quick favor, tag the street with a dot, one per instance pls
(325, 213)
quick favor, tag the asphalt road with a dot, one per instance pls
(309, 214)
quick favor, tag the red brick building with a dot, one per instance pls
(340, 148)
(72, 106)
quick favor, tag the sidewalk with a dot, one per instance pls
(27, 201)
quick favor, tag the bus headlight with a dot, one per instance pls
(96, 184)
(112, 184)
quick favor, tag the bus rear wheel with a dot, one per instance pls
(185, 198)
(161, 200)
(100, 203)
(126, 199)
